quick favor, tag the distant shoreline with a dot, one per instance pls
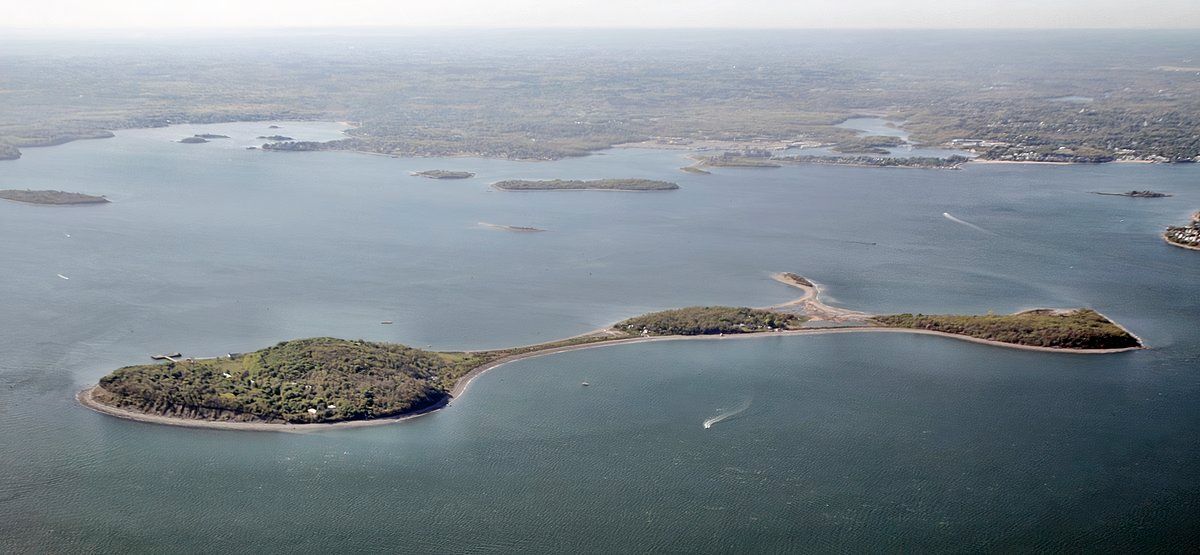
(698, 147)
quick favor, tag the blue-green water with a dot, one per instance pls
(849, 442)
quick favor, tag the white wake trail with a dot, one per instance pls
(726, 414)
(966, 223)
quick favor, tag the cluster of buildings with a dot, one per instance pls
(975, 143)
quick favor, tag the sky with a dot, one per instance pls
(184, 14)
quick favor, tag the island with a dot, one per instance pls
(1135, 194)
(276, 138)
(315, 383)
(869, 145)
(444, 174)
(1186, 236)
(210, 136)
(593, 185)
(516, 228)
(50, 197)
(193, 140)
(736, 160)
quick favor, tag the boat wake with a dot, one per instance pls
(966, 223)
(726, 414)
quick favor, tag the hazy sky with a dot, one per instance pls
(58, 14)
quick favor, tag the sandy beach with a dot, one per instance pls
(87, 399)
(1174, 244)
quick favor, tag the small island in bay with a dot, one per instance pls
(695, 170)
(314, 383)
(193, 140)
(50, 197)
(1135, 194)
(276, 138)
(207, 136)
(737, 160)
(1186, 236)
(579, 185)
(444, 174)
(516, 228)
(869, 145)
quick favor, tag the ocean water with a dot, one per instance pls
(845, 442)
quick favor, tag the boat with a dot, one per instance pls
(585, 384)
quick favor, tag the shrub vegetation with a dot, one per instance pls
(1076, 329)
(708, 320)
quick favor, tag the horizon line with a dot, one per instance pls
(570, 28)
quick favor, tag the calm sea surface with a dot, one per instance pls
(846, 442)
